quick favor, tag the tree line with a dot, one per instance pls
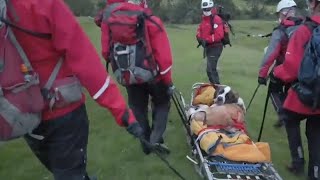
(188, 11)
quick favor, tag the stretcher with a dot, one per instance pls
(212, 167)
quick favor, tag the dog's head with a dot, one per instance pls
(225, 95)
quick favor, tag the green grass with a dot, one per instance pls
(113, 154)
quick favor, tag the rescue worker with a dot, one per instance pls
(63, 151)
(159, 91)
(295, 110)
(210, 33)
(288, 23)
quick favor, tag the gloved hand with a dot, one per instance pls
(135, 129)
(170, 90)
(262, 81)
(201, 42)
(274, 79)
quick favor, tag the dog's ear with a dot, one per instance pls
(242, 105)
(236, 94)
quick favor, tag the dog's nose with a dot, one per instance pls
(220, 99)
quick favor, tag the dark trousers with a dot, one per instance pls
(292, 123)
(63, 151)
(138, 101)
(213, 54)
(278, 93)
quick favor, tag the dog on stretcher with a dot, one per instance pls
(227, 111)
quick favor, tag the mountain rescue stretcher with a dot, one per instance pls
(213, 166)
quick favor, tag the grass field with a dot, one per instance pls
(113, 154)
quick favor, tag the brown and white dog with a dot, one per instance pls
(227, 111)
(225, 95)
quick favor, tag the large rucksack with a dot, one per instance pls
(227, 27)
(308, 85)
(21, 98)
(130, 54)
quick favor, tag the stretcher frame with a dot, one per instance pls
(217, 168)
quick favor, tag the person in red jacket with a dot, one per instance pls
(295, 110)
(63, 149)
(276, 51)
(210, 34)
(160, 90)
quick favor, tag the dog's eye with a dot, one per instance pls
(221, 91)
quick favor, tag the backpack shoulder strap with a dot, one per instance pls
(212, 23)
(54, 74)
(149, 16)
(19, 49)
(282, 29)
(32, 33)
(109, 9)
(26, 61)
(311, 25)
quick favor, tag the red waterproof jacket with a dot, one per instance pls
(158, 40)
(212, 35)
(288, 71)
(68, 39)
(278, 45)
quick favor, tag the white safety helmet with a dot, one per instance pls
(206, 4)
(283, 4)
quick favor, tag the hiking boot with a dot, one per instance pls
(145, 148)
(297, 170)
(162, 148)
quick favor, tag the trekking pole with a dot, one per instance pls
(264, 112)
(259, 35)
(181, 112)
(155, 149)
(254, 94)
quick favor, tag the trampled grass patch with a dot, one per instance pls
(114, 154)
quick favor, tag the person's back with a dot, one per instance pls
(116, 46)
(295, 107)
(275, 53)
(65, 61)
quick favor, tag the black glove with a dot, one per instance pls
(274, 79)
(170, 90)
(135, 129)
(199, 43)
(262, 81)
(202, 43)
